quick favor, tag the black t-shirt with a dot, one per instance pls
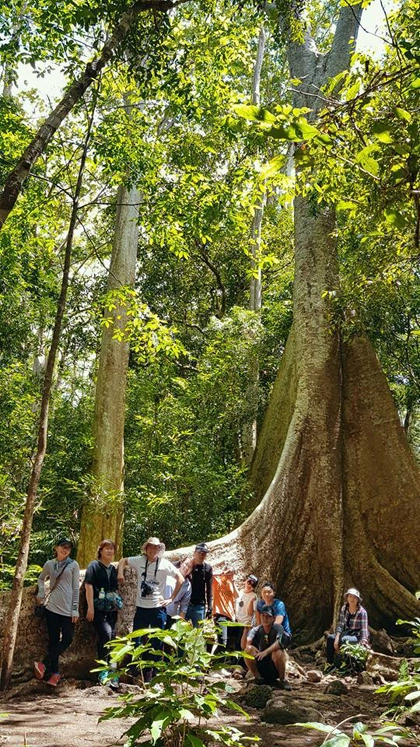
(202, 585)
(262, 640)
(100, 577)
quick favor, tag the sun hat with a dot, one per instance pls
(153, 541)
(354, 592)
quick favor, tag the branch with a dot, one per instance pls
(19, 174)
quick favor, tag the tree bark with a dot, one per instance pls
(102, 514)
(74, 93)
(12, 616)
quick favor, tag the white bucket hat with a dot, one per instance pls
(154, 541)
(355, 593)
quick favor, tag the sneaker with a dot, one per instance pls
(39, 670)
(54, 679)
(284, 685)
(103, 676)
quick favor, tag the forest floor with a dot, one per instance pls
(68, 716)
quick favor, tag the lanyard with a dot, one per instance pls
(156, 568)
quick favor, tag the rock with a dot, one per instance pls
(382, 643)
(364, 678)
(314, 675)
(336, 687)
(287, 711)
(384, 666)
(257, 696)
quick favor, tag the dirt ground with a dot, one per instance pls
(68, 716)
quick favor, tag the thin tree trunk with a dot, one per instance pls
(249, 429)
(102, 515)
(74, 93)
(12, 616)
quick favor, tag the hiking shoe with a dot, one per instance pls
(114, 684)
(39, 670)
(103, 676)
(284, 685)
(54, 679)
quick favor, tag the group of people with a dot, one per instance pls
(166, 591)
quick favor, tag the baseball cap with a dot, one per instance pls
(64, 541)
(202, 547)
(267, 610)
(252, 578)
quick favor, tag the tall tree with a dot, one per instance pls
(338, 483)
(102, 513)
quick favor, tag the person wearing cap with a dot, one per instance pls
(279, 607)
(266, 643)
(201, 602)
(61, 608)
(245, 608)
(352, 625)
(152, 574)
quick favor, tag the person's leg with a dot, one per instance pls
(330, 648)
(53, 628)
(222, 633)
(104, 623)
(279, 660)
(267, 669)
(195, 613)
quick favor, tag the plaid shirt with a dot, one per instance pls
(356, 624)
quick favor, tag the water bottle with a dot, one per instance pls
(102, 594)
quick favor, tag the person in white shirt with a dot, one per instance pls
(152, 574)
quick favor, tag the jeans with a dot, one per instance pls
(104, 623)
(154, 617)
(195, 613)
(58, 626)
(331, 653)
(222, 633)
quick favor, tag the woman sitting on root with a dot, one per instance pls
(352, 625)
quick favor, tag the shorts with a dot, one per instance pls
(267, 669)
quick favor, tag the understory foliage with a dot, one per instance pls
(174, 709)
(166, 118)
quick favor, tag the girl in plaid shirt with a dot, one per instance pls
(352, 625)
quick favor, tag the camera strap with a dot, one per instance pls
(156, 569)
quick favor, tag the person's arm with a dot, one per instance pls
(251, 606)
(280, 610)
(120, 570)
(41, 586)
(185, 601)
(209, 592)
(364, 637)
(76, 590)
(340, 628)
(179, 580)
(262, 654)
(90, 614)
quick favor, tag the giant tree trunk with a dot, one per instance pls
(338, 484)
(102, 515)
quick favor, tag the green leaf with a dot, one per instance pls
(272, 167)
(339, 740)
(193, 740)
(366, 160)
(346, 205)
(394, 218)
(254, 113)
(382, 132)
(415, 83)
(368, 740)
(316, 725)
(156, 729)
(402, 114)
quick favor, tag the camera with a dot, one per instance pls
(148, 588)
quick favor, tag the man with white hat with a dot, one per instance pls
(152, 573)
(352, 625)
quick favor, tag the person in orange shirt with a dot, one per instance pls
(224, 598)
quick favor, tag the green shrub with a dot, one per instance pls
(174, 709)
